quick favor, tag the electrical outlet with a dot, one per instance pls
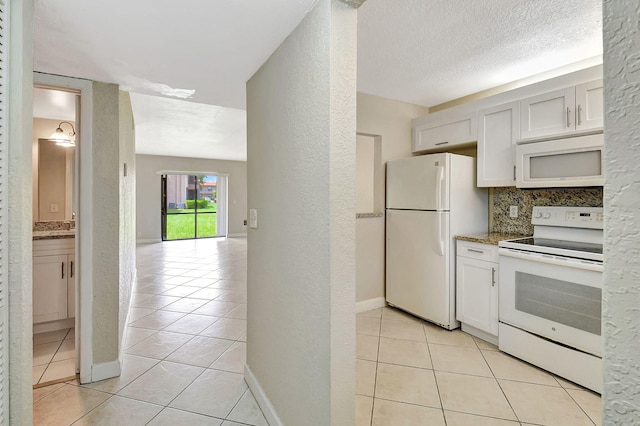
(54, 208)
(513, 212)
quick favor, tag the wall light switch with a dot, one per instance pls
(253, 218)
(513, 212)
(54, 208)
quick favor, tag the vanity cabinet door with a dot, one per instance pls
(50, 288)
(71, 287)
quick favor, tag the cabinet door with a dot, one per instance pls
(498, 130)
(477, 294)
(49, 288)
(589, 106)
(548, 114)
(440, 136)
(71, 287)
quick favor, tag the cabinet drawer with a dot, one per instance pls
(487, 252)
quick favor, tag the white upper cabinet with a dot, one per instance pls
(498, 130)
(589, 106)
(548, 114)
(575, 109)
(440, 133)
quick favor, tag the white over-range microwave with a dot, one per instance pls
(574, 161)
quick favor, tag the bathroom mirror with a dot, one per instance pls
(55, 181)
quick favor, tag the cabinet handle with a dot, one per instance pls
(514, 172)
(579, 115)
(476, 250)
(568, 119)
(62, 276)
(71, 270)
(493, 277)
(442, 143)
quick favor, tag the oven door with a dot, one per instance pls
(556, 298)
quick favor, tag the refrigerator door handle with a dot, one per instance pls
(440, 243)
(439, 182)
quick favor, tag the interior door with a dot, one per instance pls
(417, 275)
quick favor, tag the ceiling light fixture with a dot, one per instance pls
(60, 138)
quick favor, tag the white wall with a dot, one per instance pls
(392, 121)
(365, 173)
(17, 220)
(301, 176)
(621, 310)
(148, 191)
(106, 217)
(127, 213)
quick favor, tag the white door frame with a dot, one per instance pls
(84, 222)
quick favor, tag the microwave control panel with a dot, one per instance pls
(574, 217)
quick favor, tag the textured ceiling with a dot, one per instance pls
(429, 52)
(201, 50)
(187, 129)
(419, 51)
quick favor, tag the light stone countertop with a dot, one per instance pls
(489, 237)
(54, 234)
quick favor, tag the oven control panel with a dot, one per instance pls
(573, 217)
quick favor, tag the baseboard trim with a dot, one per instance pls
(148, 241)
(45, 327)
(369, 304)
(241, 235)
(267, 408)
(105, 370)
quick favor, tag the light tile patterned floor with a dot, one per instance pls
(410, 372)
(54, 356)
(185, 351)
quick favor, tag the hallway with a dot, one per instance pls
(184, 350)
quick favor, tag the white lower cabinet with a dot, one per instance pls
(53, 280)
(477, 272)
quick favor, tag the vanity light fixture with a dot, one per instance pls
(60, 138)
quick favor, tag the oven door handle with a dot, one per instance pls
(553, 260)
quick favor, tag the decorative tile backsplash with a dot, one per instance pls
(501, 198)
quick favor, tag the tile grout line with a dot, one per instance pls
(435, 378)
(500, 386)
(375, 378)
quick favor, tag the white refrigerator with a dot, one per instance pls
(430, 199)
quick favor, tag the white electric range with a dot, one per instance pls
(551, 294)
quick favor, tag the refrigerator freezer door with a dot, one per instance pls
(418, 183)
(418, 276)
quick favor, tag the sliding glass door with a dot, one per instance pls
(190, 207)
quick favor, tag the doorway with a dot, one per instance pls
(193, 206)
(55, 193)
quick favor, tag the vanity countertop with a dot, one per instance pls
(54, 234)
